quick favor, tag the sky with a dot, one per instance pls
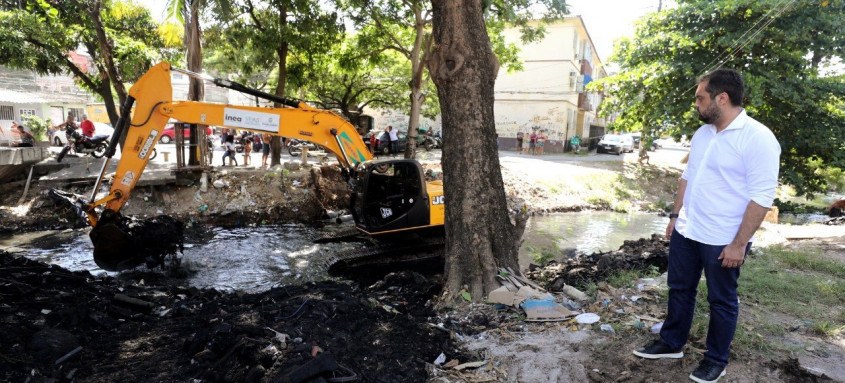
(606, 20)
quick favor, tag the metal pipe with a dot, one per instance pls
(122, 125)
(239, 87)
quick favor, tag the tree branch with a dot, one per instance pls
(251, 11)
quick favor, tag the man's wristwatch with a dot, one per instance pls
(673, 215)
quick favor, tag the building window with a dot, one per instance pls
(7, 112)
(77, 112)
(27, 112)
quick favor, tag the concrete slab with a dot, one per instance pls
(87, 168)
(22, 156)
(14, 161)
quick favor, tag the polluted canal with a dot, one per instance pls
(247, 304)
(248, 259)
(255, 259)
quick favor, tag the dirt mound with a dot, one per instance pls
(581, 269)
(57, 325)
(232, 198)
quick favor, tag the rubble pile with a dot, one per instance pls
(57, 325)
(582, 269)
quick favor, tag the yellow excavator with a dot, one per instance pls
(390, 198)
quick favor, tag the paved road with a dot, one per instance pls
(671, 155)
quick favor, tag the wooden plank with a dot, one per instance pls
(525, 280)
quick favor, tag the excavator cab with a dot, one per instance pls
(389, 196)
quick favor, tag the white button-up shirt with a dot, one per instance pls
(727, 170)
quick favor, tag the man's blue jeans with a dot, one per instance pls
(686, 260)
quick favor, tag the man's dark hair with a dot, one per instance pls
(724, 80)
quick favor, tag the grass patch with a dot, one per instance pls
(808, 261)
(800, 284)
(796, 283)
(541, 256)
(828, 329)
(627, 278)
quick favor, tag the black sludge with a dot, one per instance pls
(122, 243)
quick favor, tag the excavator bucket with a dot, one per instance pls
(122, 243)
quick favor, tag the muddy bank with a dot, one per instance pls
(59, 325)
(577, 269)
(231, 198)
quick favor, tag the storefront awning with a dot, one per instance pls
(20, 97)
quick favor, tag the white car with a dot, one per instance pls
(615, 143)
(60, 138)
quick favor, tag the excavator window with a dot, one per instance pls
(392, 190)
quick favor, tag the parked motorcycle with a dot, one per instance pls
(295, 147)
(79, 144)
(432, 142)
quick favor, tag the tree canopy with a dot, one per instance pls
(39, 35)
(781, 48)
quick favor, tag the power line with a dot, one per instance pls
(739, 44)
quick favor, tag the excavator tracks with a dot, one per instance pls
(387, 255)
(349, 234)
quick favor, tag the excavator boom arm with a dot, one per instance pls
(154, 107)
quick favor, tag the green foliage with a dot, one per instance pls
(542, 256)
(794, 207)
(291, 38)
(39, 35)
(349, 83)
(37, 126)
(782, 66)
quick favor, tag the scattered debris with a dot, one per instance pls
(538, 304)
(583, 269)
(587, 318)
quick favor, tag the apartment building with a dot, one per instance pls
(549, 95)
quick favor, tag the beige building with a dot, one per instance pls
(548, 94)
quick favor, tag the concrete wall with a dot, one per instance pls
(554, 118)
(382, 118)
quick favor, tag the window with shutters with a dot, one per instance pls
(7, 112)
(77, 112)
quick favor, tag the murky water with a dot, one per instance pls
(257, 258)
(553, 236)
(248, 259)
(801, 219)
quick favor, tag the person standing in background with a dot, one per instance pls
(87, 126)
(394, 140)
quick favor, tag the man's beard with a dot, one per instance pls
(709, 115)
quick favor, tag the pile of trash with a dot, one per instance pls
(583, 269)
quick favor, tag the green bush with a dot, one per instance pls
(37, 126)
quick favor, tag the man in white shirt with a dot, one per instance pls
(394, 140)
(723, 195)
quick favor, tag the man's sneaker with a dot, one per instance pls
(658, 350)
(707, 372)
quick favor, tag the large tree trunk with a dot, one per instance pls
(417, 65)
(114, 79)
(479, 234)
(275, 142)
(196, 88)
